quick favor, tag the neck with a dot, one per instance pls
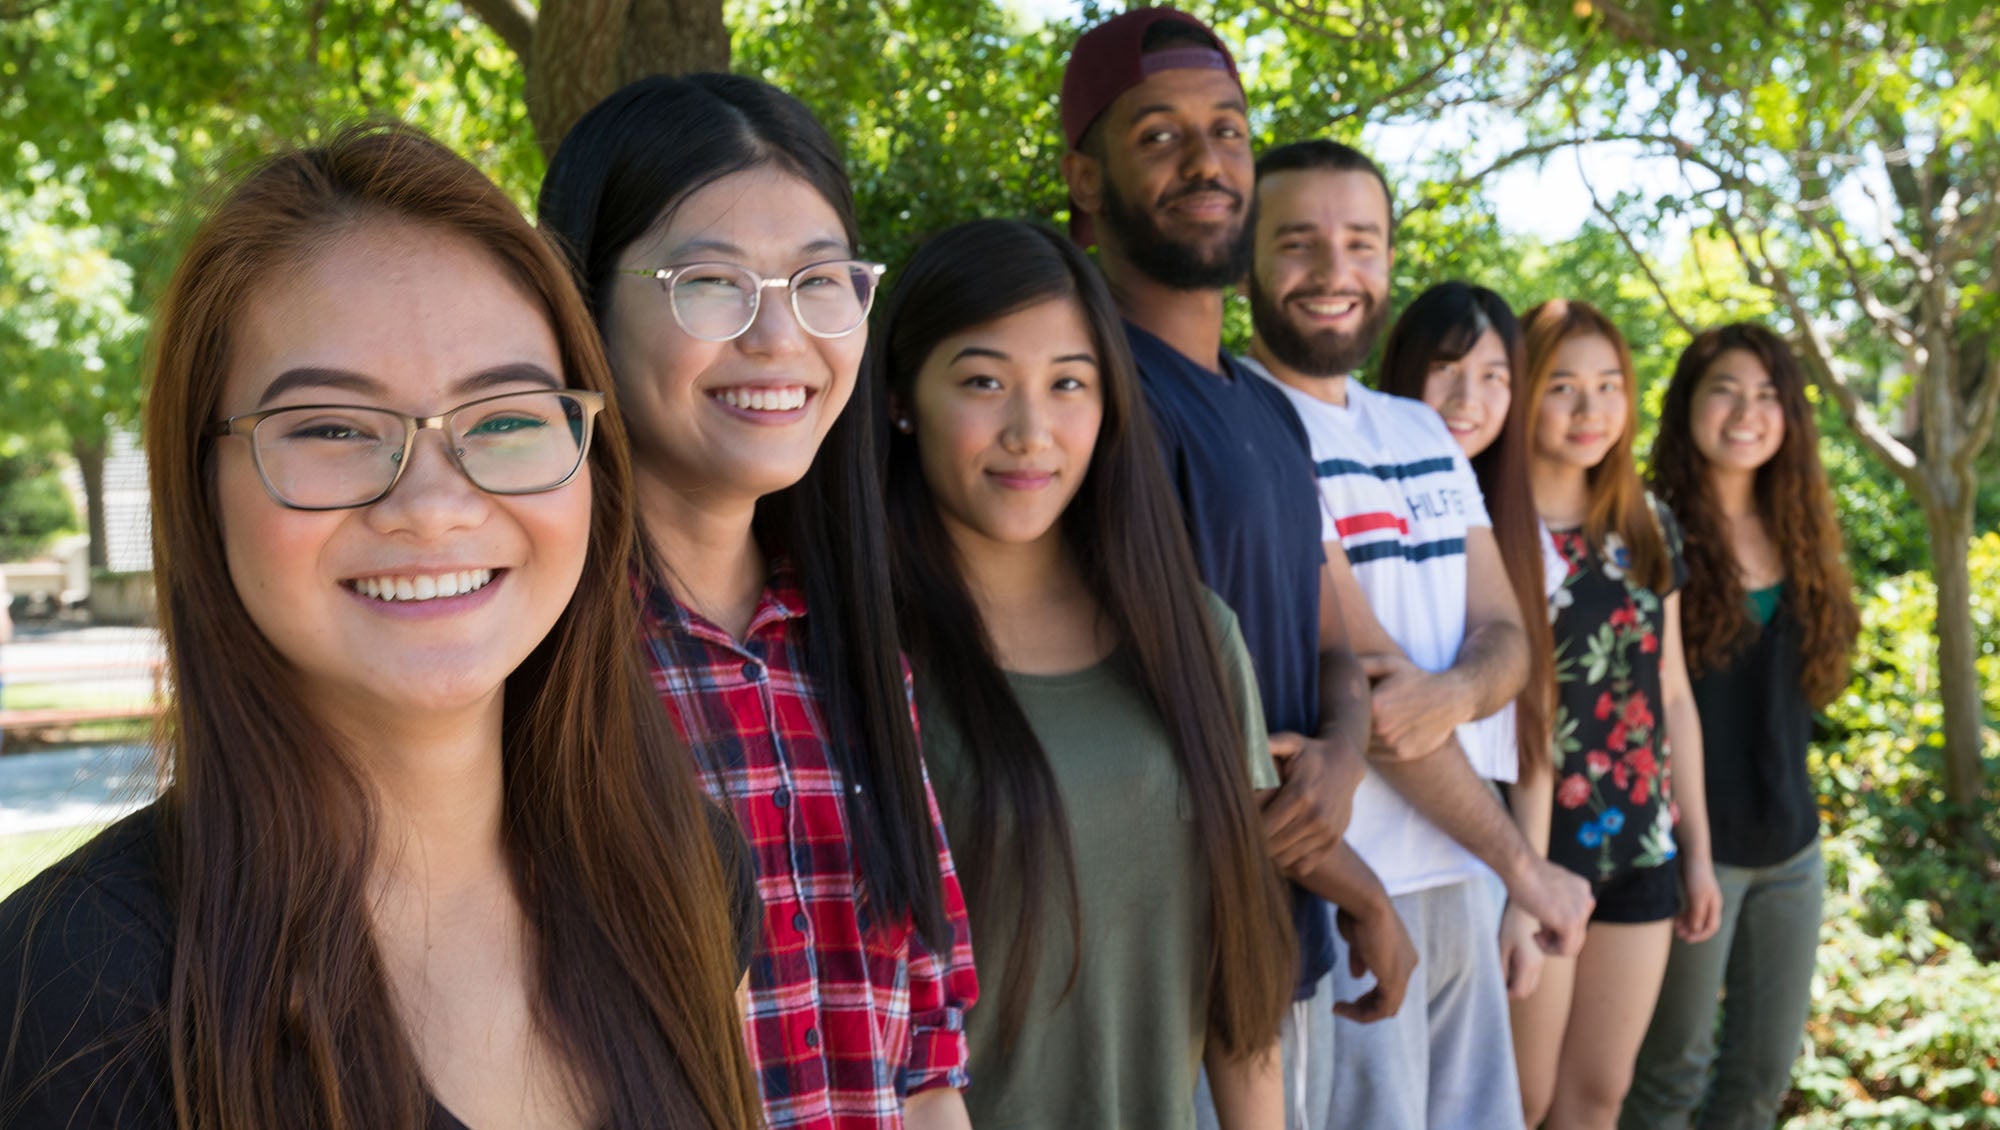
(439, 788)
(1327, 390)
(1188, 320)
(1735, 491)
(710, 551)
(1031, 596)
(1562, 491)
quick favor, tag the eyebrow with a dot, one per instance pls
(998, 355)
(724, 247)
(292, 380)
(1231, 105)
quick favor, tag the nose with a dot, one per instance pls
(1458, 387)
(433, 497)
(1200, 159)
(775, 331)
(1027, 429)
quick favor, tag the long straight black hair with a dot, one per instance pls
(617, 175)
(1125, 531)
(1442, 325)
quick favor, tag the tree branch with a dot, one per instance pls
(512, 20)
(1638, 256)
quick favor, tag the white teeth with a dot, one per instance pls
(429, 586)
(763, 399)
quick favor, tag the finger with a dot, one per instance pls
(1366, 1009)
(1286, 744)
(1377, 664)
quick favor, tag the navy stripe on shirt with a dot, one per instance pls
(1388, 472)
(1376, 550)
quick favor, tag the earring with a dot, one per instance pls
(904, 426)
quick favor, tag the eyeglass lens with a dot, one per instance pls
(718, 301)
(331, 457)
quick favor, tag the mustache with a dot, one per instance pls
(1306, 294)
(1167, 198)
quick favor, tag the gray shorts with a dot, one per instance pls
(1446, 1060)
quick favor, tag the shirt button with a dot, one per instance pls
(812, 1037)
(782, 797)
(752, 671)
(800, 922)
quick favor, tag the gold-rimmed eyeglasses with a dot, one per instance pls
(341, 456)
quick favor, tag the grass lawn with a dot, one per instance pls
(23, 854)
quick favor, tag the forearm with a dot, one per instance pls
(1344, 879)
(1343, 698)
(1532, 801)
(1683, 756)
(1449, 794)
(940, 1108)
(1249, 1091)
(1491, 668)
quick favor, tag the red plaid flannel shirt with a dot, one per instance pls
(845, 1020)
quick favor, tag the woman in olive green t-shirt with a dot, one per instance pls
(1088, 711)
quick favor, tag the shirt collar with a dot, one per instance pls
(782, 600)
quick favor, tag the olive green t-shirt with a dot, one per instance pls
(1122, 1051)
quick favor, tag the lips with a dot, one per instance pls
(1022, 479)
(1461, 427)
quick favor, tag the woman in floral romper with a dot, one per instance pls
(1625, 740)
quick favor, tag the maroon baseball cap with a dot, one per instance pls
(1109, 60)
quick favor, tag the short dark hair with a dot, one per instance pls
(1168, 34)
(1325, 155)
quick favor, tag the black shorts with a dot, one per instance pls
(1645, 894)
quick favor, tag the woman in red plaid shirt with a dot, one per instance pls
(711, 223)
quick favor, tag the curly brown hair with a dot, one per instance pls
(1792, 499)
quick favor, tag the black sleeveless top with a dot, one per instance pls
(1755, 727)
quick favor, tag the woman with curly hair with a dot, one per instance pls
(1770, 630)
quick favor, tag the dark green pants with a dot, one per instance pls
(1760, 963)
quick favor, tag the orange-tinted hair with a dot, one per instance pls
(278, 1012)
(1617, 494)
(1791, 498)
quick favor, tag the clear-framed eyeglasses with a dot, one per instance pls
(342, 456)
(719, 301)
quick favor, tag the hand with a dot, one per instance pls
(1310, 812)
(1520, 954)
(1560, 900)
(1377, 943)
(1699, 918)
(1412, 711)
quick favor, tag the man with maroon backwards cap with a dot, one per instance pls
(1160, 177)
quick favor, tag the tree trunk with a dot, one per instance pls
(585, 49)
(89, 456)
(1958, 678)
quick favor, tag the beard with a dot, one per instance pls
(1328, 353)
(1182, 266)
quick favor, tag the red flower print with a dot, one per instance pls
(1604, 706)
(1641, 789)
(1618, 737)
(1643, 763)
(1650, 644)
(1573, 791)
(1625, 617)
(1597, 762)
(1637, 711)
(1621, 774)
(1674, 811)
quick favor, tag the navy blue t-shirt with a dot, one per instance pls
(1243, 469)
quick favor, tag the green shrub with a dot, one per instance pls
(1905, 1029)
(34, 507)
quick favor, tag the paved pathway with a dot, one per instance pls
(87, 785)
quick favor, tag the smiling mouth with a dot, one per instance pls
(1460, 427)
(1743, 437)
(787, 399)
(397, 588)
(1328, 309)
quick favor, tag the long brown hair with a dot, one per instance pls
(1617, 494)
(1125, 530)
(1441, 326)
(279, 1013)
(1791, 498)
